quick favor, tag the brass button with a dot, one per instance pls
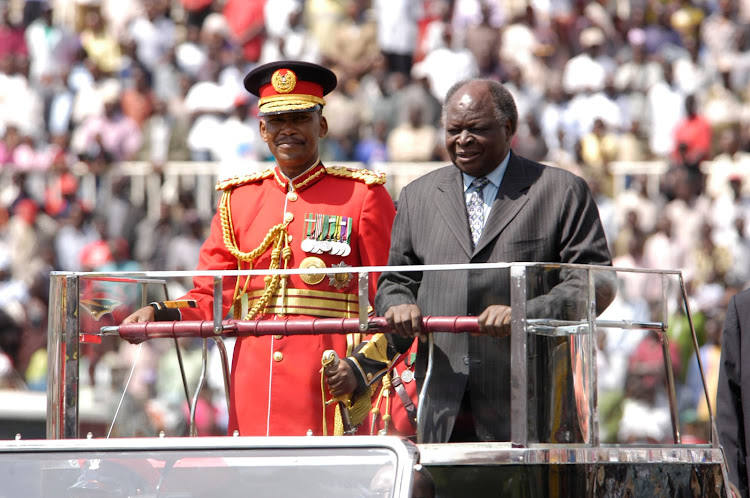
(369, 377)
(288, 217)
(278, 336)
(292, 196)
(289, 237)
(278, 356)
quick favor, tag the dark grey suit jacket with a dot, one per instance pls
(540, 214)
(732, 402)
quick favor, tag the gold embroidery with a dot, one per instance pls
(242, 180)
(363, 175)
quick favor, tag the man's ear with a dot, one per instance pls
(323, 127)
(262, 127)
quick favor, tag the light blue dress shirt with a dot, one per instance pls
(490, 190)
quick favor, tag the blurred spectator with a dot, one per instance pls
(354, 48)
(710, 355)
(10, 334)
(112, 136)
(100, 44)
(97, 252)
(693, 133)
(184, 248)
(152, 252)
(21, 103)
(414, 140)
(587, 71)
(689, 210)
(373, 148)
(343, 132)
(528, 140)
(207, 103)
(645, 411)
(153, 33)
(164, 137)
(73, 235)
(196, 11)
(598, 149)
(729, 162)
(246, 23)
(445, 66)
(28, 231)
(239, 142)
(12, 41)
(190, 54)
(732, 204)
(287, 36)
(720, 32)
(397, 28)
(666, 106)
(137, 100)
(638, 199)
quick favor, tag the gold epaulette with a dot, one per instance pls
(242, 180)
(363, 175)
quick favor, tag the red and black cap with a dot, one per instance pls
(290, 86)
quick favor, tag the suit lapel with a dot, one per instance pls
(511, 196)
(452, 207)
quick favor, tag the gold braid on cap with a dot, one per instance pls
(277, 236)
(363, 175)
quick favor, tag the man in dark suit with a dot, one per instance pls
(489, 206)
(732, 402)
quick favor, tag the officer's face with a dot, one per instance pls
(292, 138)
(475, 140)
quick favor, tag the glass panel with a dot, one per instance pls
(555, 383)
(262, 472)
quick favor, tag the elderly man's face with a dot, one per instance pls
(293, 138)
(476, 142)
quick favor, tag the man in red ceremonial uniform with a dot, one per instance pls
(299, 214)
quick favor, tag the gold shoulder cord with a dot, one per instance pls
(363, 175)
(277, 235)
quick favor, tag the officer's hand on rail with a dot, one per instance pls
(145, 314)
(341, 379)
(495, 321)
(405, 320)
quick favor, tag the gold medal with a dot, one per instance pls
(312, 278)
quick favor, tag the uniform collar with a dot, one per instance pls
(316, 172)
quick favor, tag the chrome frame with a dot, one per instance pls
(62, 420)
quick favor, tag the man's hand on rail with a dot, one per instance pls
(145, 314)
(341, 379)
(495, 321)
(405, 320)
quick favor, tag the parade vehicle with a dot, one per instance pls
(563, 442)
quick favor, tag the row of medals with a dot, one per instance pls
(314, 246)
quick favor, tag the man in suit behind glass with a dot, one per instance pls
(732, 401)
(527, 212)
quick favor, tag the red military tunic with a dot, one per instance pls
(275, 380)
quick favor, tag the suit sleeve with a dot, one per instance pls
(374, 357)
(730, 418)
(375, 223)
(396, 288)
(581, 241)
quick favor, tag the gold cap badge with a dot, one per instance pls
(283, 80)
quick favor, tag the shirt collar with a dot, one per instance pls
(495, 176)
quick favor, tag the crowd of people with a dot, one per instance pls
(85, 86)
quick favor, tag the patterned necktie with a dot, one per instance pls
(475, 208)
